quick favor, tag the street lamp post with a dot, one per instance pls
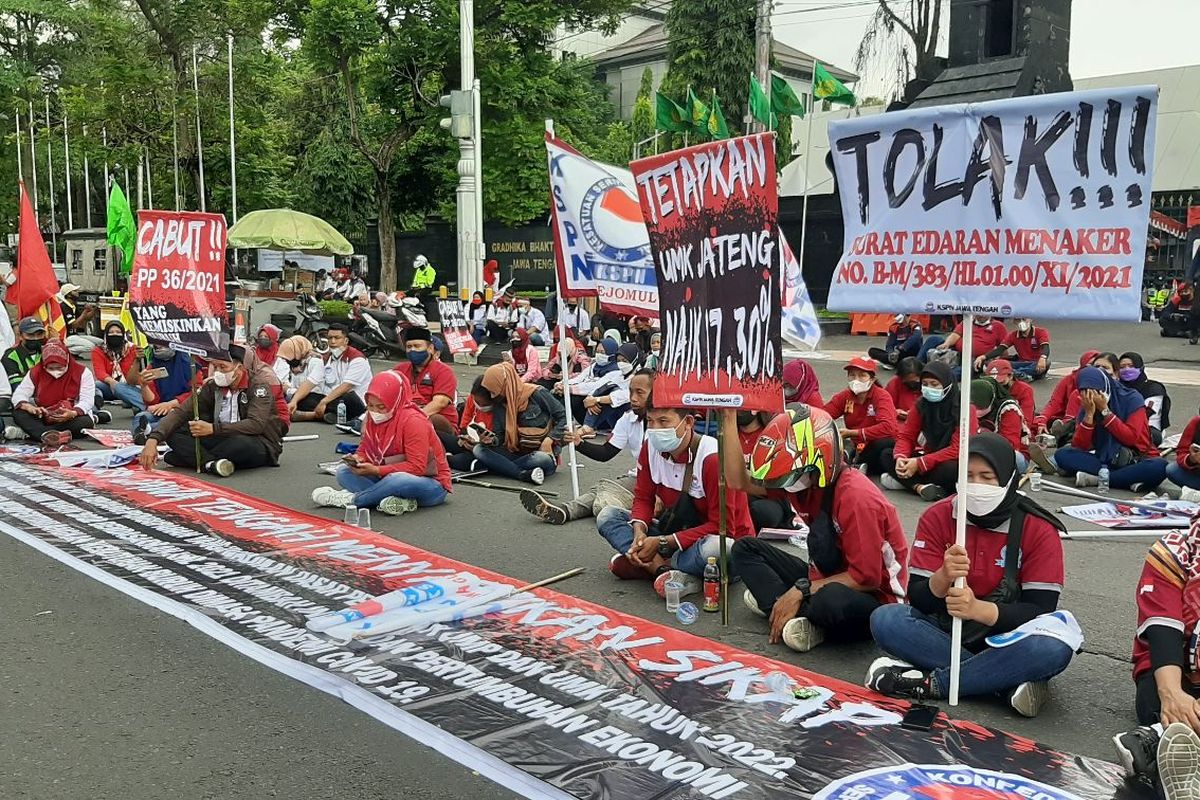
(470, 213)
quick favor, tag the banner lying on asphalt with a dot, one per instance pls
(551, 696)
(1033, 206)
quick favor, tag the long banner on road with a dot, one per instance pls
(551, 696)
(1034, 206)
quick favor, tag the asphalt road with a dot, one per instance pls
(103, 697)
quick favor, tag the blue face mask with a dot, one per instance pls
(664, 440)
(934, 394)
(417, 357)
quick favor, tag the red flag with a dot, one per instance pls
(35, 285)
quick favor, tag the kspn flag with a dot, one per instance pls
(601, 247)
(1037, 206)
(800, 325)
(712, 212)
(177, 290)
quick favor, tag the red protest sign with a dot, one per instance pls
(712, 213)
(177, 288)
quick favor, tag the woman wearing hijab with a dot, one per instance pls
(655, 352)
(400, 464)
(905, 387)
(1131, 370)
(266, 344)
(1111, 431)
(1012, 563)
(477, 315)
(295, 363)
(577, 360)
(56, 398)
(112, 365)
(999, 413)
(925, 458)
(603, 369)
(525, 357)
(1060, 411)
(606, 404)
(800, 384)
(528, 424)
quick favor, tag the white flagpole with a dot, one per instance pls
(232, 143)
(125, 189)
(812, 112)
(199, 139)
(141, 188)
(67, 159)
(20, 155)
(87, 182)
(107, 175)
(960, 506)
(50, 179)
(149, 183)
(33, 161)
(175, 150)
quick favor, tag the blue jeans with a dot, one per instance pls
(606, 419)
(915, 637)
(501, 462)
(616, 526)
(145, 418)
(129, 395)
(1149, 473)
(929, 343)
(910, 347)
(1029, 369)
(370, 492)
(1183, 477)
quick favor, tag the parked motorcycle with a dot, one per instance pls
(312, 326)
(377, 332)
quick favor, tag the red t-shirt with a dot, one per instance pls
(910, 434)
(104, 368)
(1041, 556)
(1134, 433)
(436, 378)
(903, 398)
(421, 452)
(1168, 594)
(748, 441)
(1011, 427)
(875, 415)
(870, 534)
(1063, 402)
(984, 338)
(1029, 348)
(1185, 445)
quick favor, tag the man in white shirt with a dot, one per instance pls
(532, 320)
(346, 376)
(576, 318)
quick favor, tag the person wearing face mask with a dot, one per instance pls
(1014, 637)
(26, 353)
(56, 398)
(857, 549)
(77, 317)
(925, 458)
(347, 374)
(162, 394)
(400, 464)
(239, 425)
(604, 369)
(524, 357)
(999, 413)
(1001, 371)
(679, 469)
(903, 341)
(1177, 316)
(1057, 417)
(434, 383)
(1031, 345)
(627, 437)
(988, 335)
(655, 352)
(298, 370)
(532, 321)
(576, 317)
(266, 344)
(476, 417)
(605, 404)
(577, 361)
(114, 365)
(476, 312)
(501, 319)
(868, 413)
(1111, 431)
(1132, 373)
(905, 387)
(765, 512)
(800, 384)
(528, 428)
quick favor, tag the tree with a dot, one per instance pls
(642, 125)
(711, 46)
(902, 38)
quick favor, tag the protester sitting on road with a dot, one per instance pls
(608, 402)
(528, 428)
(1131, 371)
(1179, 315)
(77, 317)
(905, 387)
(26, 353)
(501, 318)
(627, 437)
(925, 458)
(1013, 566)
(1185, 470)
(434, 384)
(576, 318)
(239, 426)
(1057, 417)
(1166, 667)
(165, 384)
(345, 380)
(532, 321)
(857, 549)
(868, 414)
(903, 341)
(294, 364)
(476, 313)
(1108, 363)
(1032, 347)
(475, 418)
(1001, 371)
(1111, 432)
(113, 365)
(603, 370)
(765, 511)
(800, 384)
(56, 398)
(999, 413)
(400, 464)
(676, 544)
(988, 335)
(524, 357)
(266, 344)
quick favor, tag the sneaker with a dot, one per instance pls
(749, 602)
(1029, 697)
(1039, 456)
(691, 584)
(395, 506)
(1189, 494)
(543, 509)
(56, 438)
(536, 476)
(103, 416)
(1137, 751)
(1083, 480)
(931, 492)
(899, 679)
(626, 570)
(889, 482)
(222, 467)
(1058, 428)
(1179, 761)
(801, 635)
(330, 497)
(13, 433)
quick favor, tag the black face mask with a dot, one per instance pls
(114, 342)
(34, 345)
(264, 342)
(744, 418)
(164, 354)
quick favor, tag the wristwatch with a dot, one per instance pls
(664, 547)
(805, 587)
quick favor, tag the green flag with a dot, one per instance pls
(760, 106)
(784, 101)
(668, 116)
(827, 87)
(716, 126)
(121, 229)
(697, 112)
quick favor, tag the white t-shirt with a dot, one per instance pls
(356, 371)
(314, 373)
(628, 434)
(577, 319)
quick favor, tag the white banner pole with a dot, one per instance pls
(33, 163)
(20, 155)
(199, 138)
(67, 159)
(812, 112)
(564, 365)
(960, 510)
(87, 181)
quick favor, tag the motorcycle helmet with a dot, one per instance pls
(800, 441)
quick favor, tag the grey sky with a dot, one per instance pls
(1107, 36)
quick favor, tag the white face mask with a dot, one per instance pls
(601, 358)
(380, 417)
(223, 379)
(983, 498)
(981, 321)
(56, 372)
(336, 352)
(1023, 326)
(858, 387)
(625, 367)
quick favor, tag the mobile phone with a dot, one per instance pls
(350, 459)
(920, 717)
(158, 373)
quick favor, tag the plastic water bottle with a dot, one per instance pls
(341, 413)
(712, 585)
(1103, 487)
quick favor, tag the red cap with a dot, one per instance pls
(1000, 367)
(863, 363)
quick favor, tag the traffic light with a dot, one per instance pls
(461, 105)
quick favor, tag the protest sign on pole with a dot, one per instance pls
(712, 213)
(455, 328)
(601, 247)
(1034, 206)
(177, 289)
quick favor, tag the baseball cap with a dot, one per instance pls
(863, 363)
(31, 325)
(999, 368)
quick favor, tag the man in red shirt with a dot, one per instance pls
(868, 413)
(1003, 372)
(987, 336)
(434, 385)
(856, 545)
(1032, 347)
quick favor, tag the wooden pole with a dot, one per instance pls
(723, 517)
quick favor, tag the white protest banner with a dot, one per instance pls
(1034, 206)
(799, 324)
(601, 246)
